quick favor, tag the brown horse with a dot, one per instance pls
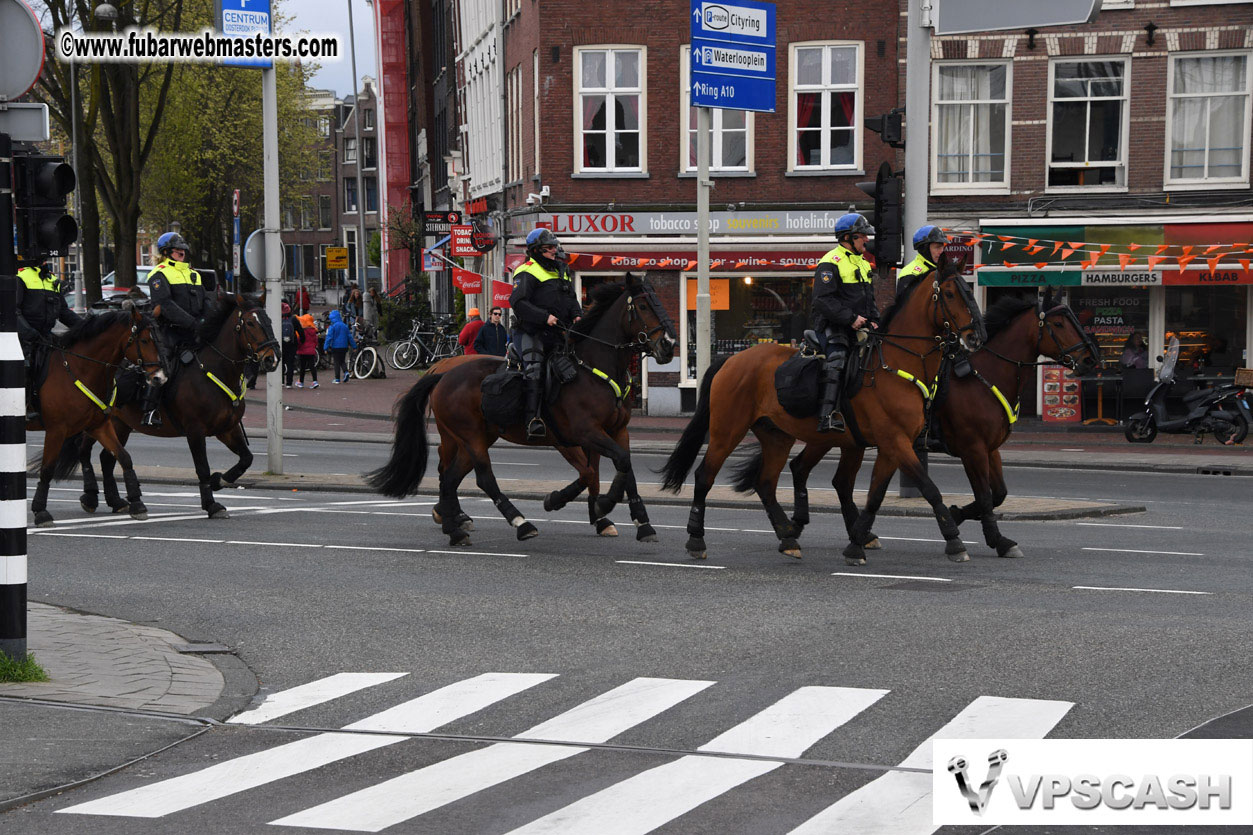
(975, 414)
(78, 393)
(205, 399)
(590, 414)
(888, 411)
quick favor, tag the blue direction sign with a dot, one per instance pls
(733, 55)
(243, 19)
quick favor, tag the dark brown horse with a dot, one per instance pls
(205, 399)
(937, 313)
(976, 414)
(589, 414)
(78, 393)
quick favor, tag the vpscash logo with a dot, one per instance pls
(1068, 782)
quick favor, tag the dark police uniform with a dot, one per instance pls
(177, 289)
(40, 306)
(842, 292)
(539, 290)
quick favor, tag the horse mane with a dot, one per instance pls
(601, 298)
(902, 298)
(89, 327)
(1001, 314)
(215, 314)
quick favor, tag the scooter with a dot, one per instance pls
(1222, 410)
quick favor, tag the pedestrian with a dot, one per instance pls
(176, 290)
(291, 340)
(492, 337)
(843, 301)
(302, 300)
(543, 301)
(352, 303)
(307, 350)
(1135, 352)
(466, 338)
(338, 340)
(40, 306)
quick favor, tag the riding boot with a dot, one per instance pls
(152, 406)
(535, 429)
(831, 420)
(32, 405)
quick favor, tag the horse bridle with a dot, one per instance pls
(952, 337)
(142, 365)
(1085, 341)
(644, 341)
(254, 354)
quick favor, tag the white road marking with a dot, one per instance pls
(176, 539)
(1154, 591)
(890, 576)
(420, 715)
(418, 792)
(37, 531)
(478, 553)
(375, 548)
(307, 695)
(667, 564)
(899, 802)
(1141, 551)
(272, 544)
(649, 800)
(1116, 525)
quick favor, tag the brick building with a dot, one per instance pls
(1133, 132)
(350, 154)
(312, 224)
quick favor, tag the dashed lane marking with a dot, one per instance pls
(1151, 591)
(667, 564)
(890, 576)
(1142, 551)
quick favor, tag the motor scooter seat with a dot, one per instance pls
(1197, 395)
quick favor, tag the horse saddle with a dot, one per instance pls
(503, 396)
(559, 369)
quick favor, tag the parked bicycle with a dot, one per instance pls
(425, 344)
(366, 361)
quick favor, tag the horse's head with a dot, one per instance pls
(142, 348)
(954, 311)
(1062, 337)
(254, 334)
(646, 318)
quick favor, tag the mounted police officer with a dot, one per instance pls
(40, 306)
(177, 290)
(929, 243)
(542, 299)
(843, 302)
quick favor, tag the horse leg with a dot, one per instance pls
(706, 472)
(53, 439)
(90, 498)
(644, 531)
(111, 495)
(458, 466)
(236, 441)
(446, 452)
(899, 452)
(587, 464)
(775, 447)
(880, 477)
(1005, 547)
(843, 481)
(486, 481)
(200, 457)
(109, 440)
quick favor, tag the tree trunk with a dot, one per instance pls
(90, 234)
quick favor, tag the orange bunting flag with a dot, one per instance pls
(1244, 264)
(1034, 249)
(739, 264)
(1213, 263)
(1041, 265)
(1056, 246)
(1032, 241)
(616, 260)
(1239, 246)
(664, 262)
(1124, 260)
(1074, 245)
(1009, 265)
(1185, 260)
(1005, 238)
(1087, 265)
(1163, 248)
(1187, 250)
(1154, 260)
(1066, 253)
(596, 259)
(1210, 249)
(1101, 254)
(1132, 247)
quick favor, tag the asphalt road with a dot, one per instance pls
(1132, 627)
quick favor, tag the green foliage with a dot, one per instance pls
(374, 248)
(396, 315)
(21, 669)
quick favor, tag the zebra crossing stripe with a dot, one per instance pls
(427, 789)
(420, 715)
(899, 802)
(307, 695)
(646, 801)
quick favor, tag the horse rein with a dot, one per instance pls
(1068, 360)
(254, 352)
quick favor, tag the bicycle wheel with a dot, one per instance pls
(404, 355)
(363, 366)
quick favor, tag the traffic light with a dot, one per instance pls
(41, 185)
(889, 127)
(889, 224)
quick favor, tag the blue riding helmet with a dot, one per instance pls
(171, 241)
(927, 235)
(540, 237)
(853, 224)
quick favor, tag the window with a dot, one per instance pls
(350, 150)
(325, 162)
(324, 211)
(369, 152)
(350, 195)
(289, 216)
(306, 213)
(732, 137)
(970, 127)
(825, 114)
(367, 117)
(610, 101)
(513, 124)
(324, 126)
(1207, 123)
(371, 186)
(1088, 123)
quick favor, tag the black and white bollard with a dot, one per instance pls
(12, 441)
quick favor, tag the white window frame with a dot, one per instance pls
(685, 132)
(641, 91)
(858, 88)
(365, 166)
(1111, 5)
(1206, 2)
(367, 121)
(1124, 146)
(1195, 184)
(972, 187)
(350, 149)
(330, 198)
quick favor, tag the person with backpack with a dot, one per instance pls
(291, 341)
(338, 340)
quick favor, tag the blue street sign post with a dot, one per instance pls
(243, 19)
(733, 60)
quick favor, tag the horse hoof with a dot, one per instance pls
(120, 508)
(854, 554)
(854, 560)
(216, 511)
(605, 528)
(215, 482)
(790, 547)
(696, 548)
(139, 511)
(955, 550)
(459, 538)
(43, 519)
(1013, 552)
(961, 556)
(467, 524)
(437, 516)
(88, 506)
(550, 502)
(645, 533)
(526, 531)
(873, 545)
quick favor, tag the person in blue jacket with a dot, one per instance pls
(338, 340)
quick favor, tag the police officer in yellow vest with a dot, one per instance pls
(929, 243)
(542, 298)
(176, 288)
(843, 302)
(40, 306)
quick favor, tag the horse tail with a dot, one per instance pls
(402, 473)
(67, 459)
(746, 474)
(680, 462)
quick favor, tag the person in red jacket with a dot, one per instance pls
(466, 338)
(307, 350)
